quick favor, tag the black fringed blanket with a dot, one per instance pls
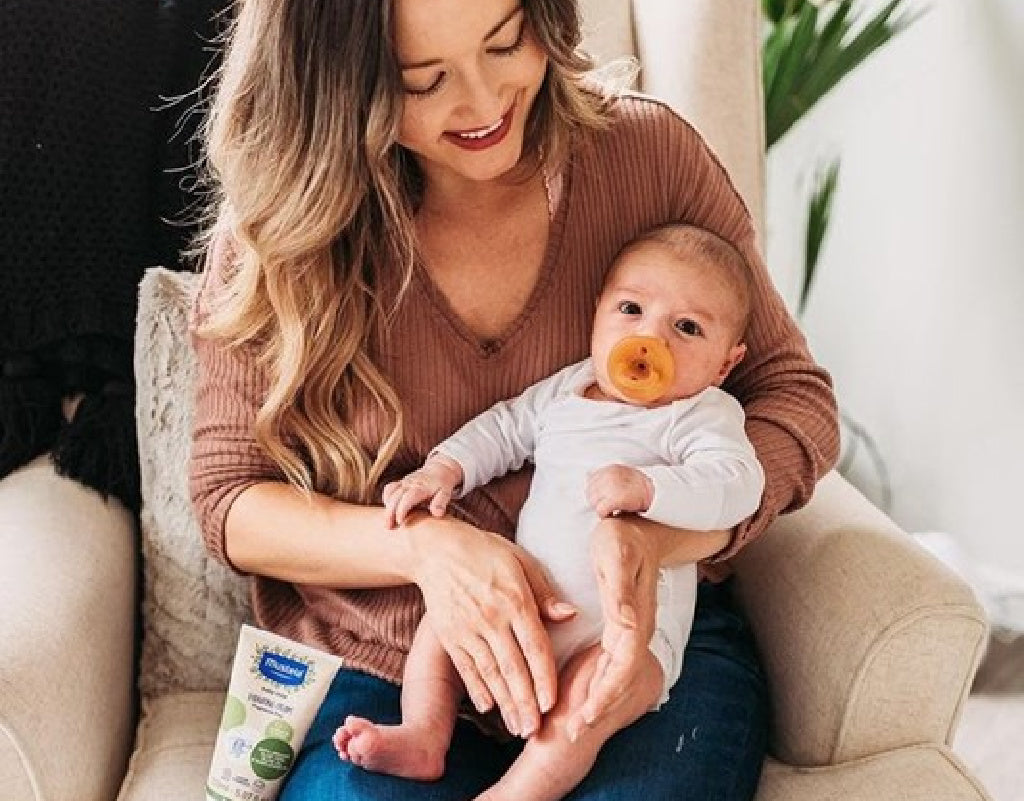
(91, 170)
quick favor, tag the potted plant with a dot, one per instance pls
(809, 47)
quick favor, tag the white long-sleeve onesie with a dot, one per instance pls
(695, 451)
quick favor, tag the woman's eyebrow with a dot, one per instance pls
(508, 18)
(433, 62)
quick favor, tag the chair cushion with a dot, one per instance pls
(192, 605)
(175, 741)
(177, 733)
(67, 592)
(916, 773)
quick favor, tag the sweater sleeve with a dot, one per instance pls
(231, 385)
(791, 413)
(713, 480)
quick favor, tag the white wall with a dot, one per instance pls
(918, 309)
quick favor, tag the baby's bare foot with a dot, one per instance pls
(403, 750)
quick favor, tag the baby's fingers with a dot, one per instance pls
(439, 504)
(390, 503)
(600, 500)
(389, 491)
(409, 500)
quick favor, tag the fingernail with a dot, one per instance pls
(545, 702)
(627, 613)
(562, 608)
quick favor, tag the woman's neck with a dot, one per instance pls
(449, 197)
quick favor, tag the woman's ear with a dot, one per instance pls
(734, 357)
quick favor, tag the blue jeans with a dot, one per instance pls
(706, 743)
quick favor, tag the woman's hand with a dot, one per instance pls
(485, 597)
(626, 560)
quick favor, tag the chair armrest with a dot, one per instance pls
(869, 643)
(67, 591)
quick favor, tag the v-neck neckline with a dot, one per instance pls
(557, 195)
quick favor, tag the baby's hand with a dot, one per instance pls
(434, 482)
(618, 488)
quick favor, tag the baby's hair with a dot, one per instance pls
(687, 241)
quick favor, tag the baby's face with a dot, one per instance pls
(692, 309)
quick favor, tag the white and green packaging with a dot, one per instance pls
(277, 686)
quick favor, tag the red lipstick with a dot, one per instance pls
(482, 138)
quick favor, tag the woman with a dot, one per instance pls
(418, 202)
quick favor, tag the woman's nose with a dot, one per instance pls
(481, 98)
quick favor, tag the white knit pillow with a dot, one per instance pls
(192, 604)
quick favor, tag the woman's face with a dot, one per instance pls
(470, 72)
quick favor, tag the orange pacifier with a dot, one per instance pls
(641, 368)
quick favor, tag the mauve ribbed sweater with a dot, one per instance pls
(648, 168)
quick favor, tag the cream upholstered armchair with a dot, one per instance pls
(870, 645)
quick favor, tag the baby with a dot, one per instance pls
(640, 427)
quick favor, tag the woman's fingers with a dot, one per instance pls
(481, 595)
(476, 689)
(626, 573)
(490, 673)
(536, 647)
(616, 676)
(617, 582)
(516, 678)
(533, 637)
(576, 723)
(547, 604)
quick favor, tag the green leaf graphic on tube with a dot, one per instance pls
(234, 713)
(271, 758)
(280, 730)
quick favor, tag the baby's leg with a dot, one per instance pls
(415, 748)
(551, 765)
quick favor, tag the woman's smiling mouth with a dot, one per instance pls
(482, 138)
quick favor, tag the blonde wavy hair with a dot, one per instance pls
(306, 176)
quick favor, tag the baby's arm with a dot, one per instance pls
(712, 482)
(491, 444)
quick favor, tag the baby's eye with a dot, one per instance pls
(689, 327)
(630, 307)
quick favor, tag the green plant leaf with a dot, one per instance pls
(803, 62)
(771, 51)
(773, 10)
(819, 210)
(792, 62)
(777, 10)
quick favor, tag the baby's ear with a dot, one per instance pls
(732, 358)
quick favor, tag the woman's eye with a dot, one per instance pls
(515, 47)
(689, 328)
(630, 307)
(430, 90)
